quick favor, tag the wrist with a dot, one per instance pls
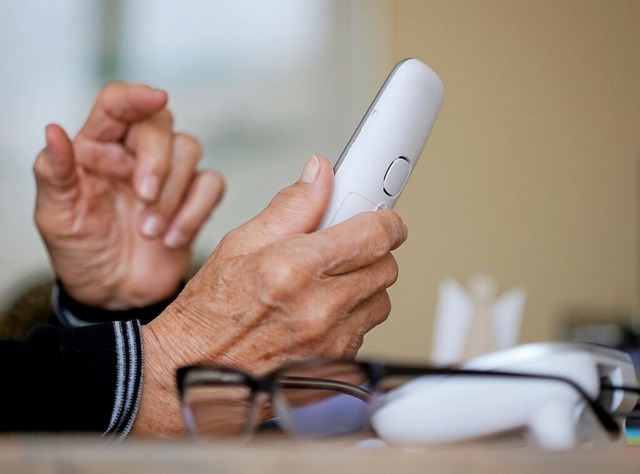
(74, 313)
(159, 412)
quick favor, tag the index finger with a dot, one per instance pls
(360, 241)
(117, 106)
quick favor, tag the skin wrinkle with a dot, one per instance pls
(102, 256)
(116, 128)
(42, 168)
(218, 339)
(78, 211)
(285, 286)
(163, 418)
(41, 221)
(366, 245)
(262, 319)
(220, 325)
(129, 108)
(383, 285)
(347, 283)
(116, 113)
(61, 198)
(292, 326)
(108, 158)
(118, 272)
(84, 209)
(268, 353)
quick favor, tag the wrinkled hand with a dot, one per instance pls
(274, 291)
(119, 207)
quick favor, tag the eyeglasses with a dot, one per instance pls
(329, 397)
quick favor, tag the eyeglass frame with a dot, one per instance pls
(267, 383)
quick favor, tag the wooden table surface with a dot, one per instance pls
(21, 454)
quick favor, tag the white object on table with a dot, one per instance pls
(475, 322)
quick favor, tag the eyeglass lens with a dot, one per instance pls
(218, 410)
(323, 399)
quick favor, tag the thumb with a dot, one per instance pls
(296, 209)
(55, 173)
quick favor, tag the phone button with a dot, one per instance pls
(396, 176)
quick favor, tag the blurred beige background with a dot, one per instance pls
(531, 173)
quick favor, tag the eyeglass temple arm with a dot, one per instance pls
(624, 388)
(315, 383)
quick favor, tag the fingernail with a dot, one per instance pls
(149, 187)
(175, 239)
(311, 170)
(152, 226)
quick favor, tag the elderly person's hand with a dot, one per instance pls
(119, 206)
(274, 291)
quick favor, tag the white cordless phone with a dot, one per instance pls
(383, 151)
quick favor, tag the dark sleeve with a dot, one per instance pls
(71, 313)
(83, 379)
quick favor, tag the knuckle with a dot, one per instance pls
(346, 347)
(230, 238)
(186, 228)
(187, 147)
(379, 233)
(288, 201)
(214, 181)
(38, 218)
(283, 195)
(38, 164)
(109, 89)
(280, 276)
(165, 116)
(390, 228)
(352, 346)
(377, 310)
(384, 306)
(318, 322)
(392, 269)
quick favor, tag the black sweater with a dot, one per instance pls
(83, 372)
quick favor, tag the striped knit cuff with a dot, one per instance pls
(128, 388)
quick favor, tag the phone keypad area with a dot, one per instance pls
(396, 176)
